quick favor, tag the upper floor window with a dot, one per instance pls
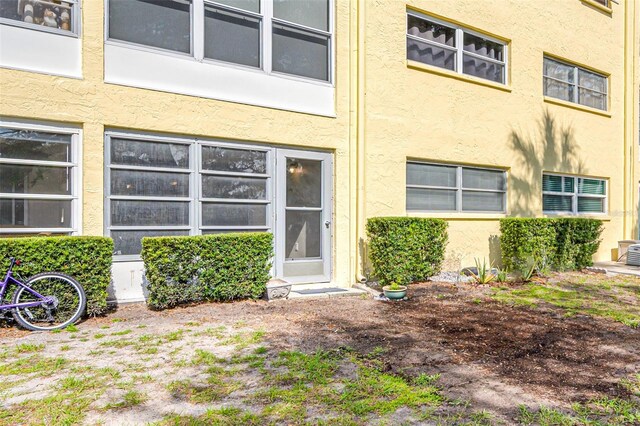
(457, 49)
(450, 188)
(574, 84)
(603, 2)
(283, 36)
(572, 194)
(48, 15)
(38, 181)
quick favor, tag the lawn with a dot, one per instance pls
(565, 352)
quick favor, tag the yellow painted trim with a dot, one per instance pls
(575, 63)
(604, 218)
(577, 106)
(597, 5)
(462, 77)
(459, 24)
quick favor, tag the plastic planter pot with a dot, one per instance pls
(395, 294)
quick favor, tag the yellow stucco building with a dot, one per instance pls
(130, 118)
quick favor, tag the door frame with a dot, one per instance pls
(279, 231)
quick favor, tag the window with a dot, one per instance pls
(278, 36)
(457, 49)
(571, 194)
(155, 187)
(605, 3)
(55, 16)
(38, 181)
(574, 84)
(435, 187)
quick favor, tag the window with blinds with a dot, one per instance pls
(573, 194)
(437, 187)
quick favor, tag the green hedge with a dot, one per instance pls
(219, 267)
(87, 259)
(406, 249)
(560, 244)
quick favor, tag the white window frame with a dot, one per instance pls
(575, 195)
(460, 189)
(76, 21)
(76, 177)
(195, 198)
(575, 85)
(459, 46)
(266, 28)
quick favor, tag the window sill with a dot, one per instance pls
(601, 216)
(457, 215)
(577, 106)
(598, 6)
(462, 77)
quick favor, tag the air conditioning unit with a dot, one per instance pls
(633, 255)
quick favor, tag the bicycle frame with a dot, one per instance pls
(8, 279)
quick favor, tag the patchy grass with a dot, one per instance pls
(130, 399)
(616, 298)
(34, 364)
(601, 411)
(29, 347)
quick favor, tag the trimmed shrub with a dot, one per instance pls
(87, 259)
(218, 267)
(406, 249)
(560, 244)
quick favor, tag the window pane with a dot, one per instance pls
(569, 184)
(35, 179)
(431, 175)
(484, 47)
(130, 242)
(592, 81)
(50, 15)
(311, 13)
(31, 145)
(431, 31)
(18, 213)
(431, 199)
(431, 55)
(250, 5)
(233, 160)
(483, 69)
(303, 236)
(559, 70)
(152, 213)
(591, 186)
(483, 179)
(592, 99)
(231, 37)
(234, 187)
(482, 201)
(556, 203)
(300, 53)
(590, 205)
(558, 89)
(219, 214)
(150, 154)
(304, 183)
(157, 23)
(157, 184)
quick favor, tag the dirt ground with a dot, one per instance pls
(493, 355)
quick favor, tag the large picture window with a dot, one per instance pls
(454, 48)
(46, 15)
(450, 188)
(574, 84)
(573, 194)
(157, 187)
(38, 181)
(291, 37)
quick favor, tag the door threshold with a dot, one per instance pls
(323, 291)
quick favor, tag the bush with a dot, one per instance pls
(406, 249)
(219, 267)
(560, 244)
(87, 259)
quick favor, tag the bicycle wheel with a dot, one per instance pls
(64, 303)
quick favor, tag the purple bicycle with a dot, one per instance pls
(46, 301)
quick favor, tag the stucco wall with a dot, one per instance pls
(420, 114)
(94, 105)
